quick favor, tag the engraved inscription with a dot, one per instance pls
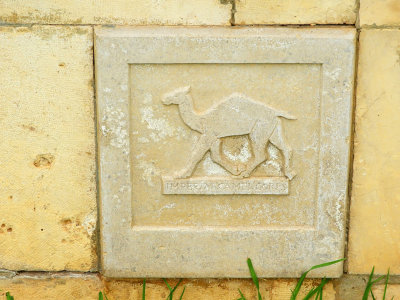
(236, 115)
(220, 186)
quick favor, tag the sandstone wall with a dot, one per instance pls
(48, 189)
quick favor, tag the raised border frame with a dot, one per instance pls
(198, 252)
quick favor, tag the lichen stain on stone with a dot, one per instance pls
(89, 223)
(149, 171)
(66, 33)
(44, 160)
(53, 16)
(114, 127)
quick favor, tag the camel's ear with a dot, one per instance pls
(186, 89)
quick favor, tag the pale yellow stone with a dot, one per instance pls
(282, 289)
(47, 149)
(87, 287)
(381, 13)
(223, 289)
(393, 290)
(52, 286)
(295, 12)
(374, 217)
(165, 12)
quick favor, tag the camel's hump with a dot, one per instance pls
(236, 99)
(244, 104)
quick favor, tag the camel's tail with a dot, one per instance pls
(286, 115)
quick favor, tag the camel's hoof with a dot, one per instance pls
(290, 174)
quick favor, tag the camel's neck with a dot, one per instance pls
(189, 116)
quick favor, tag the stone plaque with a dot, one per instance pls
(219, 144)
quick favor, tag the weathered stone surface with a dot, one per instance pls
(140, 12)
(47, 152)
(87, 287)
(380, 13)
(296, 12)
(238, 94)
(375, 199)
(392, 291)
(222, 289)
(52, 286)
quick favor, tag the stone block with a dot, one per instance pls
(295, 12)
(379, 13)
(252, 114)
(86, 287)
(374, 238)
(47, 149)
(392, 291)
(138, 12)
(222, 289)
(52, 286)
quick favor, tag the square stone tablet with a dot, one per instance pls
(219, 144)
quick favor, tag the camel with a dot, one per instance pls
(235, 115)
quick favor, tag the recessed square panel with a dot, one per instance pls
(218, 144)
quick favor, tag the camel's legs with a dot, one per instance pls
(215, 150)
(278, 140)
(201, 147)
(259, 138)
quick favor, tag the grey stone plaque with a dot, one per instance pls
(219, 144)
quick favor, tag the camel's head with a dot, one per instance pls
(176, 96)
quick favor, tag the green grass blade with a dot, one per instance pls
(296, 290)
(317, 290)
(386, 284)
(372, 294)
(368, 286)
(9, 297)
(317, 296)
(184, 288)
(254, 277)
(144, 290)
(378, 279)
(172, 290)
(169, 287)
(241, 295)
(311, 293)
(100, 296)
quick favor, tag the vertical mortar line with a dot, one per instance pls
(233, 12)
(351, 161)
(95, 119)
(357, 8)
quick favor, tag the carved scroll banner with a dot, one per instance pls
(226, 186)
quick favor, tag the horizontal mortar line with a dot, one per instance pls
(45, 274)
(44, 24)
(312, 25)
(223, 228)
(38, 275)
(379, 27)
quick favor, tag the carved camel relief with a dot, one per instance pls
(235, 115)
